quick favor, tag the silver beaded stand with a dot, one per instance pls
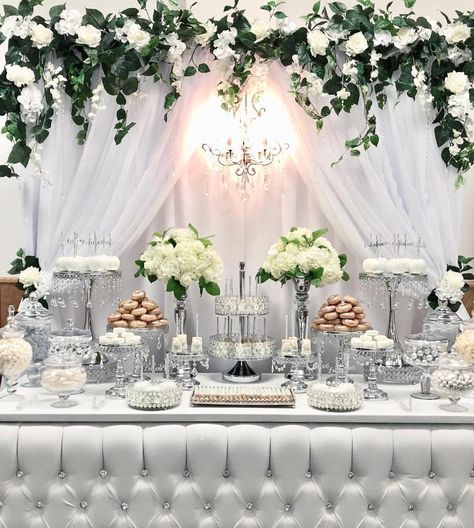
(372, 357)
(185, 365)
(299, 365)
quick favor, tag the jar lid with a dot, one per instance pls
(431, 337)
(443, 315)
(63, 361)
(70, 331)
(454, 362)
(11, 330)
(31, 308)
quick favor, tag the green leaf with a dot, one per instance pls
(337, 7)
(6, 172)
(55, 11)
(409, 3)
(95, 17)
(131, 12)
(130, 86)
(203, 68)
(194, 230)
(190, 71)
(20, 153)
(176, 287)
(316, 7)
(212, 289)
(10, 10)
(319, 233)
(442, 135)
(332, 86)
(342, 260)
(280, 15)
(345, 276)
(110, 85)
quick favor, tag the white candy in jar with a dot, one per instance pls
(15, 354)
(63, 379)
(465, 345)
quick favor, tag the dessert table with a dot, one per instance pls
(394, 463)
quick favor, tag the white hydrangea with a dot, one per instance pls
(54, 81)
(19, 75)
(459, 56)
(349, 68)
(457, 32)
(186, 261)
(298, 252)
(222, 49)
(16, 26)
(177, 47)
(132, 33)
(383, 38)
(30, 276)
(70, 22)
(31, 103)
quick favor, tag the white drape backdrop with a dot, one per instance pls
(158, 178)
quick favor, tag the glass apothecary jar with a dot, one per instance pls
(35, 322)
(71, 340)
(453, 378)
(443, 322)
(15, 356)
(424, 351)
(63, 375)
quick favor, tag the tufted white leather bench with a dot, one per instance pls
(236, 476)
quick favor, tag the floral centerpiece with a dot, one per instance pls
(452, 285)
(308, 259)
(30, 276)
(304, 254)
(177, 257)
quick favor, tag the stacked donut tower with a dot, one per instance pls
(138, 312)
(341, 313)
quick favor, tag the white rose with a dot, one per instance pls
(356, 44)
(456, 82)
(70, 22)
(88, 35)
(137, 37)
(453, 279)
(19, 75)
(222, 49)
(30, 277)
(424, 33)
(405, 37)
(41, 36)
(457, 32)
(9, 26)
(261, 29)
(383, 38)
(318, 42)
(204, 38)
(31, 103)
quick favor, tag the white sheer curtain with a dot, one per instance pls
(158, 177)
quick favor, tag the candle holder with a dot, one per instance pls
(299, 366)
(185, 363)
(372, 357)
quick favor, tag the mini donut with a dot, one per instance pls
(160, 316)
(148, 318)
(326, 327)
(336, 321)
(351, 300)
(351, 322)
(120, 324)
(344, 308)
(155, 311)
(327, 309)
(130, 305)
(139, 311)
(137, 324)
(347, 315)
(334, 299)
(128, 317)
(341, 328)
(123, 311)
(319, 320)
(114, 317)
(121, 304)
(358, 309)
(330, 316)
(363, 327)
(323, 305)
(360, 316)
(149, 305)
(138, 295)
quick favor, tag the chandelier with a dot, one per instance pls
(250, 150)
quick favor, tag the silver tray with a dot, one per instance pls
(229, 399)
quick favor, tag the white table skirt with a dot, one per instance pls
(383, 466)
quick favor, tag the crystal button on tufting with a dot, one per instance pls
(351, 474)
(450, 507)
(103, 473)
(83, 505)
(186, 474)
(124, 506)
(411, 507)
(308, 475)
(166, 505)
(370, 507)
(226, 473)
(391, 475)
(431, 474)
(287, 507)
(249, 506)
(268, 474)
(39, 504)
(61, 474)
(207, 506)
(144, 473)
(328, 505)
(19, 473)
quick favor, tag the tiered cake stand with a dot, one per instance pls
(98, 287)
(244, 313)
(185, 365)
(383, 289)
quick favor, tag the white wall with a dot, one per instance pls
(10, 204)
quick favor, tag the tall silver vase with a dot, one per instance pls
(180, 314)
(302, 287)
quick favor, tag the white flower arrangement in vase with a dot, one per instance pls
(178, 257)
(308, 259)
